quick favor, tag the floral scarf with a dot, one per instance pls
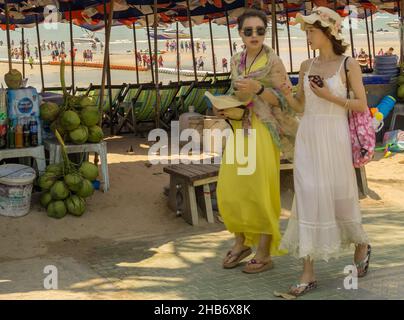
(281, 121)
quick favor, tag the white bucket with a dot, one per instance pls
(16, 182)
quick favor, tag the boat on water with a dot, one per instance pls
(170, 34)
(88, 38)
(394, 24)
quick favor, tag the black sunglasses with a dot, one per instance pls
(248, 32)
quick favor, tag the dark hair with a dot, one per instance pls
(252, 13)
(337, 46)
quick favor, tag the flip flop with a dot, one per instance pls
(239, 257)
(293, 294)
(265, 266)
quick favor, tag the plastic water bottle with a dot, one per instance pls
(33, 129)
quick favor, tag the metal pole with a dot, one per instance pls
(368, 37)
(107, 66)
(158, 102)
(273, 15)
(307, 41)
(401, 8)
(213, 48)
(192, 40)
(228, 32)
(72, 55)
(178, 54)
(276, 35)
(289, 40)
(150, 49)
(40, 52)
(23, 52)
(350, 30)
(137, 62)
(10, 63)
(373, 33)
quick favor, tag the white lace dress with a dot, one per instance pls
(325, 216)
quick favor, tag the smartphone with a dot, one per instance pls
(317, 80)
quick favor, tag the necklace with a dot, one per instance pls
(252, 63)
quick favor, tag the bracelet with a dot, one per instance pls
(261, 90)
(346, 104)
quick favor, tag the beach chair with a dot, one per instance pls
(219, 76)
(196, 95)
(143, 108)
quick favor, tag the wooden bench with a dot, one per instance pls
(182, 197)
(183, 180)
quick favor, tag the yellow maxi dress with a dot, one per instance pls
(250, 204)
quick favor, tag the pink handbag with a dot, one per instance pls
(363, 135)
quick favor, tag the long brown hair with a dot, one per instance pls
(337, 46)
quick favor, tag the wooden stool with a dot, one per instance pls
(38, 153)
(183, 180)
(55, 155)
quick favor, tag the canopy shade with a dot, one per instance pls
(90, 13)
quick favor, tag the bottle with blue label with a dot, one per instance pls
(33, 128)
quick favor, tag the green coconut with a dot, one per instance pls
(13, 79)
(47, 180)
(75, 205)
(49, 111)
(70, 120)
(89, 170)
(56, 169)
(73, 101)
(86, 189)
(89, 116)
(57, 126)
(79, 135)
(59, 191)
(57, 209)
(95, 134)
(46, 198)
(73, 181)
(400, 92)
(400, 80)
(87, 102)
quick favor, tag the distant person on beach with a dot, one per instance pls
(224, 65)
(182, 46)
(1, 43)
(167, 45)
(36, 53)
(200, 63)
(198, 47)
(203, 47)
(186, 46)
(31, 62)
(234, 46)
(144, 60)
(381, 52)
(161, 61)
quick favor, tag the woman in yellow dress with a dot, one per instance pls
(249, 203)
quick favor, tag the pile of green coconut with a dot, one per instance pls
(76, 120)
(66, 186)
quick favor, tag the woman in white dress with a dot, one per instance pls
(325, 216)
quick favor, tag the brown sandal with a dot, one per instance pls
(265, 266)
(297, 290)
(362, 267)
(239, 257)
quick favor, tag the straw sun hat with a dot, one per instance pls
(328, 19)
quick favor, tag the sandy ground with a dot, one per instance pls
(136, 205)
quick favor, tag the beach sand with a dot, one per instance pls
(136, 205)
